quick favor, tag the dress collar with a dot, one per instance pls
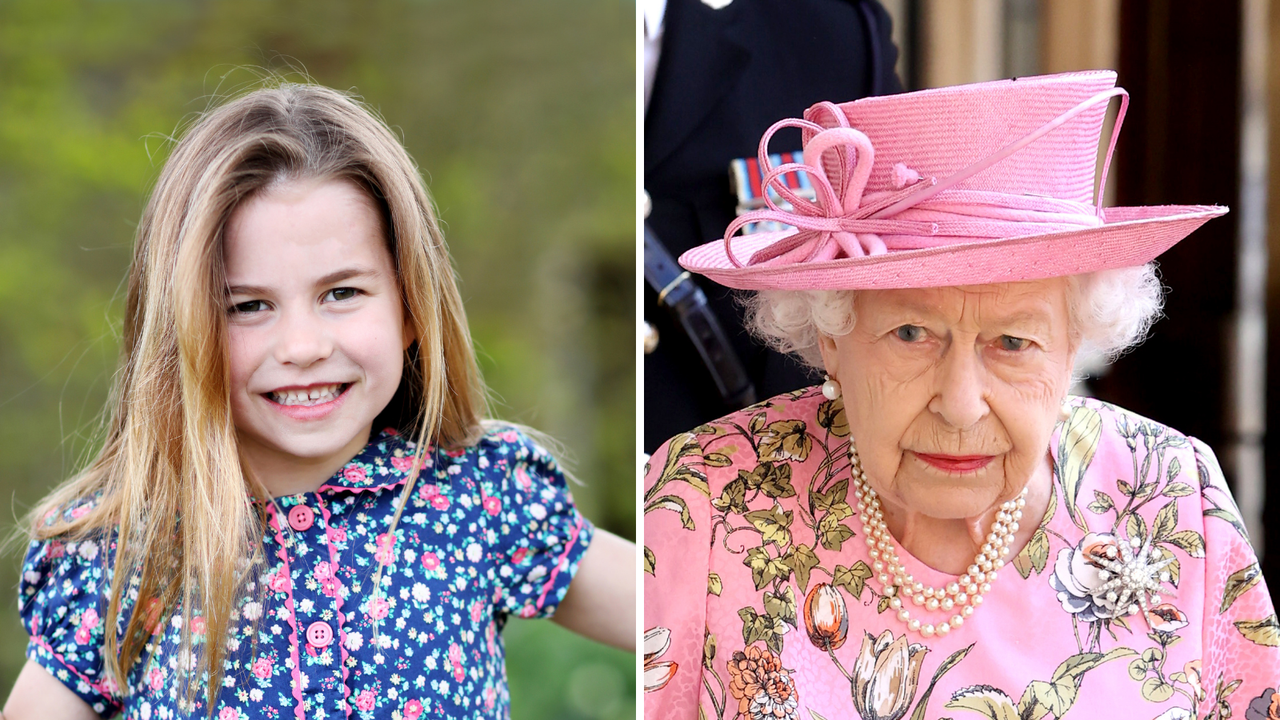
(385, 462)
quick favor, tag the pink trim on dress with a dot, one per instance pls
(551, 579)
(273, 521)
(337, 599)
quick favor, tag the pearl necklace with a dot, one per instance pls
(965, 594)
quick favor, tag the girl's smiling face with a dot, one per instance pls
(316, 326)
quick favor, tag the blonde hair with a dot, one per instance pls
(168, 480)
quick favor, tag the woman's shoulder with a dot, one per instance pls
(757, 450)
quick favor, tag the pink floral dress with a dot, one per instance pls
(760, 600)
(491, 532)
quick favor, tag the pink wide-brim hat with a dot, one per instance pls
(967, 185)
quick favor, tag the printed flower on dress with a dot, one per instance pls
(1076, 577)
(657, 674)
(825, 617)
(365, 700)
(1264, 707)
(1166, 618)
(764, 689)
(886, 675)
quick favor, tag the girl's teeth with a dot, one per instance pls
(312, 396)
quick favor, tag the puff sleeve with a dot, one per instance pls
(677, 536)
(540, 536)
(62, 603)
(1241, 644)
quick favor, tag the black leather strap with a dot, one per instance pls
(688, 305)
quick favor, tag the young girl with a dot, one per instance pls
(298, 510)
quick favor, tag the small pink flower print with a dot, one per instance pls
(383, 556)
(522, 477)
(337, 535)
(262, 668)
(110, 686)
(155, 679)
(519, 555)
(378, 608)
(490, 696)
(356, 475)
(430, 561)
(455, 453)
(455, 653)
(364, 700)
(197, 625)
(229, 714)
(323, 571)
(279, 582)
(508, 436)
(83, 635)
(457, 672)
(57, 550)
(385, 540)
(89, 618)
(528, 611)
(440, 502)
(403, 464)
(492, 505)
(80, 511)
(477, 611)
(412, 710)
(428, 491)
(329, 587)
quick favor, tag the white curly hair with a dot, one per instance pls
(1110, 312)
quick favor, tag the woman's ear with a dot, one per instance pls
(830, 355)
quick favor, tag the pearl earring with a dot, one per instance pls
(830, 388)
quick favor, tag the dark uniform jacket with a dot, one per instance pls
(724, 76)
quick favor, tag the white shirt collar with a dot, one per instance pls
(653, 10)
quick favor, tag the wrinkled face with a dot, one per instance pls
(952, 393)
(315, 322)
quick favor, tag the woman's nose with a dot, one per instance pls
(302, 340)
(960, 395)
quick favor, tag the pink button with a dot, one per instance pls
(319, 634)
(301, 517)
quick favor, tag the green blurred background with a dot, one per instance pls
(522, 118)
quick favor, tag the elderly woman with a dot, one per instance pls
(939, 529)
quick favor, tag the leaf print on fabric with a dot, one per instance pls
(784, 440)
(832, 418)
(985, 700)
(1076, 447)
(885, 676)
(946, 665)
(1238, 583)
(1261, 632)
(763, 688)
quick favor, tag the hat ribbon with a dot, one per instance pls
(844, 220)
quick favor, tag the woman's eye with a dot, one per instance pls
(251, 306)
(1013, 344)
(910, 333)
(340, 294)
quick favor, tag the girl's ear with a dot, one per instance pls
(409, 332)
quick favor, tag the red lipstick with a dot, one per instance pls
(956, 463)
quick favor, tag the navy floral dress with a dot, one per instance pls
(490, 532)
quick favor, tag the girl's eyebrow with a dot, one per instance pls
(330, 279)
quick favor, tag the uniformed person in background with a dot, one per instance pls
(718, 73)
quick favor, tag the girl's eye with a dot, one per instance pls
(910, 333)
(340, 294)
(245, 308)
(1014, 344)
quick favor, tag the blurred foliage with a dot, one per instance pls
(521, 116)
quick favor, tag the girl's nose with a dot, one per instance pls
(302, 340)
(960, 393)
